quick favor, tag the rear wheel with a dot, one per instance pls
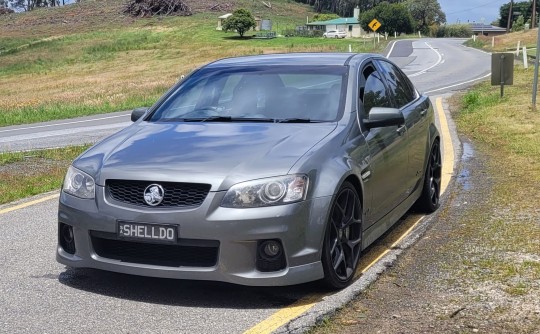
(429, 199)
(342, 240)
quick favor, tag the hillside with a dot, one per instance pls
(89, 58)
(508, 41)
(94, 15)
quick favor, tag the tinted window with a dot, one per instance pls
(375, 94)
(399, 85)
(262, 92)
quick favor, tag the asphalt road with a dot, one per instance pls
(38, 295)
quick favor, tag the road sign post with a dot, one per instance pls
(374, 25)
(502, 70)
(535, 81)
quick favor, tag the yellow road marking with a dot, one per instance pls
(304, 304)
(286, 314)
(27, 204)
(448, 147)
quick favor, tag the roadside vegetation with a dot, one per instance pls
(23, 174)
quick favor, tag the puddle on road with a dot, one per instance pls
(464, 177)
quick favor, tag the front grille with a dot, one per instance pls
(175, 194)
(189, 253)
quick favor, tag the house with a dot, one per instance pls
(351, 25)
(221, 19)
(486, 29)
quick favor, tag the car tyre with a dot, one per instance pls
(336, 36)
(343, 238)
(429, 200)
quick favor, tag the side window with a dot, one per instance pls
(399, 85)
(374, 93)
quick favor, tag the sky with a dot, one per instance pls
(464, 11)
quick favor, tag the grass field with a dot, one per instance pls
(100, 60)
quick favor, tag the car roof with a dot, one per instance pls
(297, 59)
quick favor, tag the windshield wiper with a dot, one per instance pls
(209, 119)
(228, 119)
(295, 120)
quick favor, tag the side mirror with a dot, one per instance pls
(138, 113)
(383, 117)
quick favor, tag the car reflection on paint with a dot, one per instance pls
(264, 170)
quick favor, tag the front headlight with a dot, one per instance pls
(266, 192)
(79, 184)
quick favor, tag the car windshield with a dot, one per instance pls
(280, 94)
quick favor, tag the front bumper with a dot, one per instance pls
(299, 227)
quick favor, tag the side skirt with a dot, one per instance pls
(386, 222)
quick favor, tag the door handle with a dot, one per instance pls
(401, 130)
(423, 112)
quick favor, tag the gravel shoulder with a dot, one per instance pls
(475, 270)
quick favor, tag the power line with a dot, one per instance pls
(476, 7)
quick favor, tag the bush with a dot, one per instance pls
(302, 33)
(241, 21)
(452, 30)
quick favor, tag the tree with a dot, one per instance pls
(524, 9)
(394, 18)
(344, 7)
(426, 13)
(241, 20)
(519, 24)
(324, 17)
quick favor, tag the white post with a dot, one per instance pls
(518, 46)
(419, 34)
(378, 38)
(350, 48)
(385, 36)
(525, 62)
(395, 34)
(493, 42)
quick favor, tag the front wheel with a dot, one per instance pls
(429, 200)
(342, 241)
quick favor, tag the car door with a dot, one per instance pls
(387, 147)
(414, 109)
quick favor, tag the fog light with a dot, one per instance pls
(66, 238)
(270, 256)
(271, 248)
(67, 233)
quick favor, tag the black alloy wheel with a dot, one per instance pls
(343, 238)
(429, 200)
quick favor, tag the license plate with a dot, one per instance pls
(147, 232)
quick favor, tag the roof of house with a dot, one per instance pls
(341, 20)
(478, 27)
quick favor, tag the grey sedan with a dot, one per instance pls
(262, 170)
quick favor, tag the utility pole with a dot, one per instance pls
(533, 19)
(509, 16)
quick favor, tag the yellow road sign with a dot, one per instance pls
(374, 25)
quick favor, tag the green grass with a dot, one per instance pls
(505, 231)
(23, 174)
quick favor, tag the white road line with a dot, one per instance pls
(391, 49)
(65, 123)
(458, 84)
(439, 61)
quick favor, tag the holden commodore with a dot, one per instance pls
(259, 170)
